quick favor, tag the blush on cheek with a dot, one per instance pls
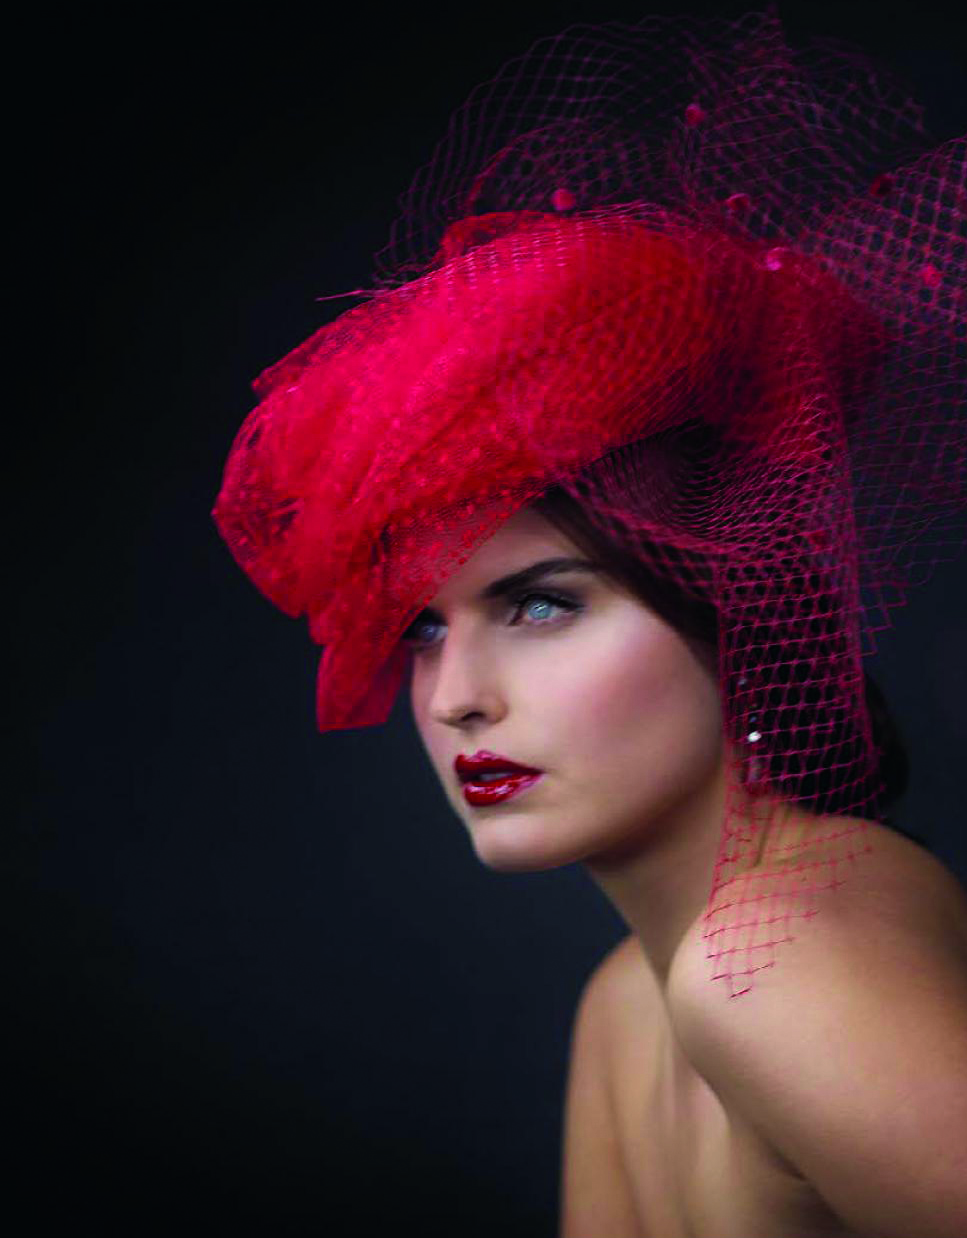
(638, 673)
(644, 697)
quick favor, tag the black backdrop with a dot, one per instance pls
(257, 979)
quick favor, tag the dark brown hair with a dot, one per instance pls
(697, 619)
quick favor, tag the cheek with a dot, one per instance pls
(637, 701)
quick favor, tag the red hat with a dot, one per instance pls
(636, 231)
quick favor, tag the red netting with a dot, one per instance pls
(713, 287)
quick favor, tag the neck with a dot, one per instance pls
(660, 881)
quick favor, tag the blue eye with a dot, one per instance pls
(519, 602)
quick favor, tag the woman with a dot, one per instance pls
(552, 673)
(689, 326)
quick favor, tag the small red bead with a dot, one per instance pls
(930, 275)
(738, 203)
(563, 200)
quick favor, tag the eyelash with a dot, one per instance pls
(519, 601)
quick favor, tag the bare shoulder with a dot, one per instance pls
(623, 961)
(898, 891)
(622, 974)
(619, 995)
(630, 999)
(604, 995)
(597, 1194)
(897, 929)
(899, 902)
(903, 885)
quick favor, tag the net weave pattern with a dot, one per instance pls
(714, 287)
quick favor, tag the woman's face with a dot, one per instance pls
(620, 712)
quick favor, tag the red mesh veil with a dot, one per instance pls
(711, 285)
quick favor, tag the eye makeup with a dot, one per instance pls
(519, 600)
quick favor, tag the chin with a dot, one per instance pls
(516, 844)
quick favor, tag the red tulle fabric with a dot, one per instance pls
(637, 232)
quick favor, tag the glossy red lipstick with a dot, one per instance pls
(481, 794)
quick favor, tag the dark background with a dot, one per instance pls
(258, 981)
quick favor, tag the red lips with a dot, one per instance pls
(488, 762)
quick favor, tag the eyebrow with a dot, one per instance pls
(527, 576)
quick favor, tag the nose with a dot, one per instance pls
(465, 683)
